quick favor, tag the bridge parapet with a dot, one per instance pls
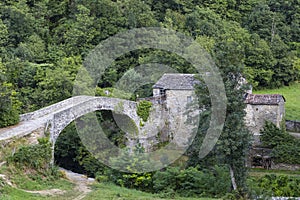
(54, 107)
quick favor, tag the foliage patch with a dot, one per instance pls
(277, 185)
(34, 157)
(143, 109)
(286, 148)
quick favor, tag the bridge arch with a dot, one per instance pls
(63, 118)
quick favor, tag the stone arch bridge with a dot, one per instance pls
(57, 116)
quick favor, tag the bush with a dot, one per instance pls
(192, 182)
(286, 149)
(271, 136)
(279, 185)
(112, 92)
(287, 153)
(36, 157)
(133, 163)
(143, 109)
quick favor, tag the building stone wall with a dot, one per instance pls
(293, 126)
(171, 121)
(256, 115)
(154, 131)
(182, 115)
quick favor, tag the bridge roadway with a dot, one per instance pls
(53, 114)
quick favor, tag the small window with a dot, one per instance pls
(189, 99)
(162, 92)
(256, 109)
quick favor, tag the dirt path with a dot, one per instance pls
(82, 183)
(52, 192)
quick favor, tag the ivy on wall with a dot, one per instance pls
(143, 109)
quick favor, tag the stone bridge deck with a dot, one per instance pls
(50, 115)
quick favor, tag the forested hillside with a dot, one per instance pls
(43, 42)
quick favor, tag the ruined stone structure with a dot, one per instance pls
(261, 108)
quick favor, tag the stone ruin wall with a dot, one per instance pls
(256, 115)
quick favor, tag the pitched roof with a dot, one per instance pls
(264, 99)
(176, 82)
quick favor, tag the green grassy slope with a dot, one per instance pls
(100, 191)
(110, 191)
(292, 96)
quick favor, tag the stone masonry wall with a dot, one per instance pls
(293, 126)
(256, 115)
(181, 115)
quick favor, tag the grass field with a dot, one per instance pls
(262, 172)
(111, 191)
(103, 191)
(99, 191)
(292, 97)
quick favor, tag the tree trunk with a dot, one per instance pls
(232, 178)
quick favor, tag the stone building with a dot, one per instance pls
(178, 91)
(175, 112)
(178, 95)
(261, 108)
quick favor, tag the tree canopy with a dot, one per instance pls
(43, 44)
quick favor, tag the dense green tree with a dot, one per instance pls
(43, 43)
(174, 20)
(32, 50)
(233, 144)
(203, 22)
(259, 62)
(79, 35)
(108, 16)
(55, 83)
(9, 107)
(138, 14)
(284, 72)
(18, 21)
(3, 34)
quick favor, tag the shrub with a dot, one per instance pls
(112, 92)
(143, 109)
(133, 163)
(286, 149)
(36, 157)
(280, 185)
(193, 182)
(287, 153)
(271, 136)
